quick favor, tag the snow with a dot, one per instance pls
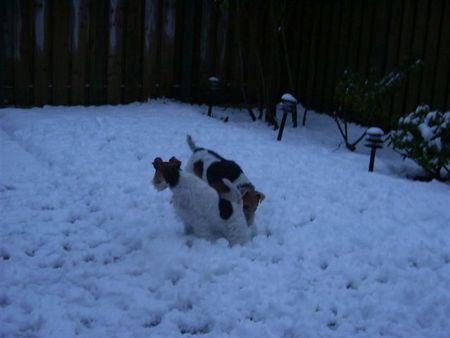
(375, 131)
(288, 97)
(88, 248)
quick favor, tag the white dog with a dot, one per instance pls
(203, 212)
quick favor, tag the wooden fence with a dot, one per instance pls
(88, 52)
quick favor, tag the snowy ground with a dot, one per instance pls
(88, 248)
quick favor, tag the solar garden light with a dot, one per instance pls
(288, 106)
(213, 89)
(374, 140)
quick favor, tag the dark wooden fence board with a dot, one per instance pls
(345, 33)
(80, 52)
(333, 54)
(357, 14)
(23, 52)
(167, 46)
(223, 41)
(6, 52)
(323, 60)
(365, 43)
(380, 32)
(255, 22)
(116, 21)
(304, 69)
(431, 51)
(133, 51)
(98, 51)
(61, 51)
(150, 49)
(417, 53)
(312, 54)
(406, 38)
(443, 63)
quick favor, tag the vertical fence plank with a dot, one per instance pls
(333, 54)
(187, 33)
(404, 52)
(355, 35)
(222, 55)
(322, 56)
(115, 51)
(133, 52)
(297, 43)
(168, 47)
(379, 52)
(61, 51)
(393, 43)
(23, 52)
(417, 53)
(98, 49)
(178, 48)
(380, 33)
(207, 41)
(150, 50)
(345, 33)
(311, 98)
(366, 38)
(80, 51)
(442, 76)
(6, 53)
(306, 28)
(255, 27)
(42, 44)
(239, 48)
(431, 51)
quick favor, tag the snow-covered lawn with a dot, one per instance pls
(89, 248)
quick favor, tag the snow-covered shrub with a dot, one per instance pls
(424, 136)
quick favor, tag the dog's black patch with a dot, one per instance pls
(198, 168)
(225, 208)
(223, 169)
(172, 176)
(216, 155)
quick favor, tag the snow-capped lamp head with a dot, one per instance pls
(288, 105)
(213, 90)
(374, 140)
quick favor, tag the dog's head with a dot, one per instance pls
(251, 198)
(166, 173)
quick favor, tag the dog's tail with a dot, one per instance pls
(191, 142)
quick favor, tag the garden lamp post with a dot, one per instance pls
(213, 89)
(374, 140)
(288, 106)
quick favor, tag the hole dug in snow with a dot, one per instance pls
(153, 322)
(4, 301)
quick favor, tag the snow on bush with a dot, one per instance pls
(424, 136)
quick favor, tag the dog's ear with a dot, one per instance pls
(175, 162)
(261, 196)
(157, 162)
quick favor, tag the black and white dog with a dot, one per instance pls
(213, 168)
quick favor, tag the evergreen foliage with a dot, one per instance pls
(424, 136)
